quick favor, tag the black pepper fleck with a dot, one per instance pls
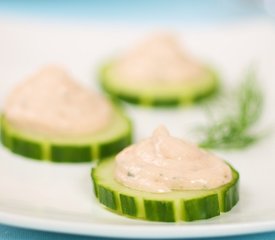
(129, 174)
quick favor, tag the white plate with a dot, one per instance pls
(59, 197)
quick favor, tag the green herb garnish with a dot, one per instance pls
(233, 128)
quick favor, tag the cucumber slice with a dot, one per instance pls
(160, 97)
(174, 206)
(101, 145)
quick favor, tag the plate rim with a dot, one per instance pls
(171, 230)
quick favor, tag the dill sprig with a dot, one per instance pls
(233, 129)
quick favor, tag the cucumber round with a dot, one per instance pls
(161, 96)
(174, 206)
(100, 145)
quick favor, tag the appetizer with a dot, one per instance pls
(49, 116)
(158, 73)
(166, 179)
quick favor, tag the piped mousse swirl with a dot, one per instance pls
(163, 163)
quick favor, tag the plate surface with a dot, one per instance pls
(59, 197)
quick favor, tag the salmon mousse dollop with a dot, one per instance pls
(159, 59)
(51, 103)
(163, 163)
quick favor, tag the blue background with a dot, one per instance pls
(144, 12)
(150, 11)
(10, 233)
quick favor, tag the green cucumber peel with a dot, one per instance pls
(173, 206)
(173, 97)
(106, 143)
